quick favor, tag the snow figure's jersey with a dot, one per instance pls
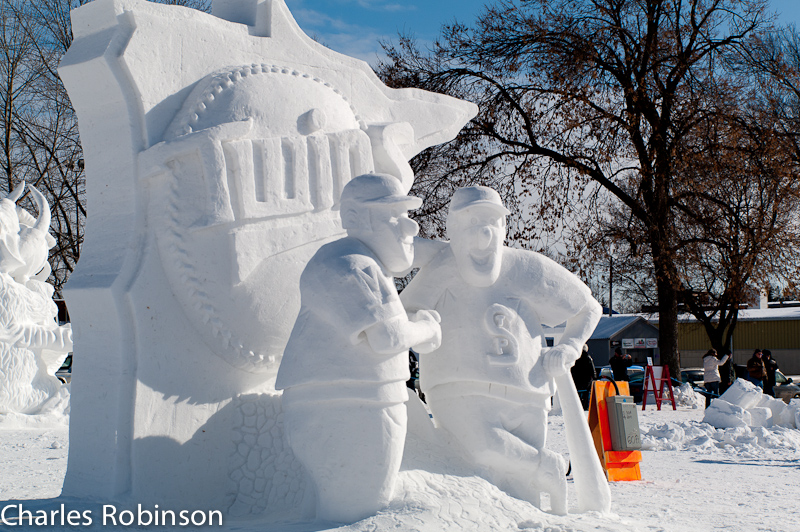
(344, 292)
(492, 336)
(487, 385)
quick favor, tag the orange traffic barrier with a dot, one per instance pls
(618, 465)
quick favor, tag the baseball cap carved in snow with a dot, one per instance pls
(377, 189)
(478, 195)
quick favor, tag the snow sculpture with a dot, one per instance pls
(345, 368)
(216, 147)
(32, 344)
(490, 383)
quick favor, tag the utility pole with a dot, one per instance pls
(611, 279)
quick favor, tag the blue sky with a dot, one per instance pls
(354, 27)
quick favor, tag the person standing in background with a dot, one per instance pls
(584, 374)
(711, 376)
(770, 366)
(620, 364)
(756, 372)
(726, 372)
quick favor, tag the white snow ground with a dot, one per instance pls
(695, 478)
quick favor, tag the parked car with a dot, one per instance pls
(785, 388)
(693, 376)
(64, 373)
(635, 379)
(605, 371)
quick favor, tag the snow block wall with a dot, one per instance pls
(216, 147)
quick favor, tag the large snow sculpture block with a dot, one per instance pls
(216, 151)
(744, 404)
(723, 415)
(743, 393)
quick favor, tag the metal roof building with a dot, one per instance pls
(631, 333)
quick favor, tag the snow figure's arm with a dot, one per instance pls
(579, 328)
(37, 336)
(420, 331)
(425, 250)
(426, 288)
(556, 296)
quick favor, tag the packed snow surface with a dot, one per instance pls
(695, 478)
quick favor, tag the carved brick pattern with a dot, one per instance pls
(264, 474)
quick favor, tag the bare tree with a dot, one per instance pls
(611, 103)
(38, 127)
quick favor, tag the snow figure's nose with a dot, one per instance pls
(483, 237)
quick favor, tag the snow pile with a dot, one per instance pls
(743, 422)
(54, 413)
(696, 436)
(744, 405)
(686, 396)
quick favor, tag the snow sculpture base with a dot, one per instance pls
(216, 148)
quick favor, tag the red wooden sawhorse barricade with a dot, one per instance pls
(658, 391)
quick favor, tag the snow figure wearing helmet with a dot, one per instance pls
(345, 367)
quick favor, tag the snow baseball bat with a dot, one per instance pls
(590, 480)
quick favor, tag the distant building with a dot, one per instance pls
(774, 328)
(631, 333)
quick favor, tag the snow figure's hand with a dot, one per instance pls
(432, 319)
(64, 336)
(558, 359)
(422, 315)
(27, 337)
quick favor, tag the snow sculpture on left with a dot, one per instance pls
(32, 344)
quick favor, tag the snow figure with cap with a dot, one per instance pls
(490, 383)
(345, 367)
(32, 344)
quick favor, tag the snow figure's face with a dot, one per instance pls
(392, 237)
(33, 249)
(476, 238)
